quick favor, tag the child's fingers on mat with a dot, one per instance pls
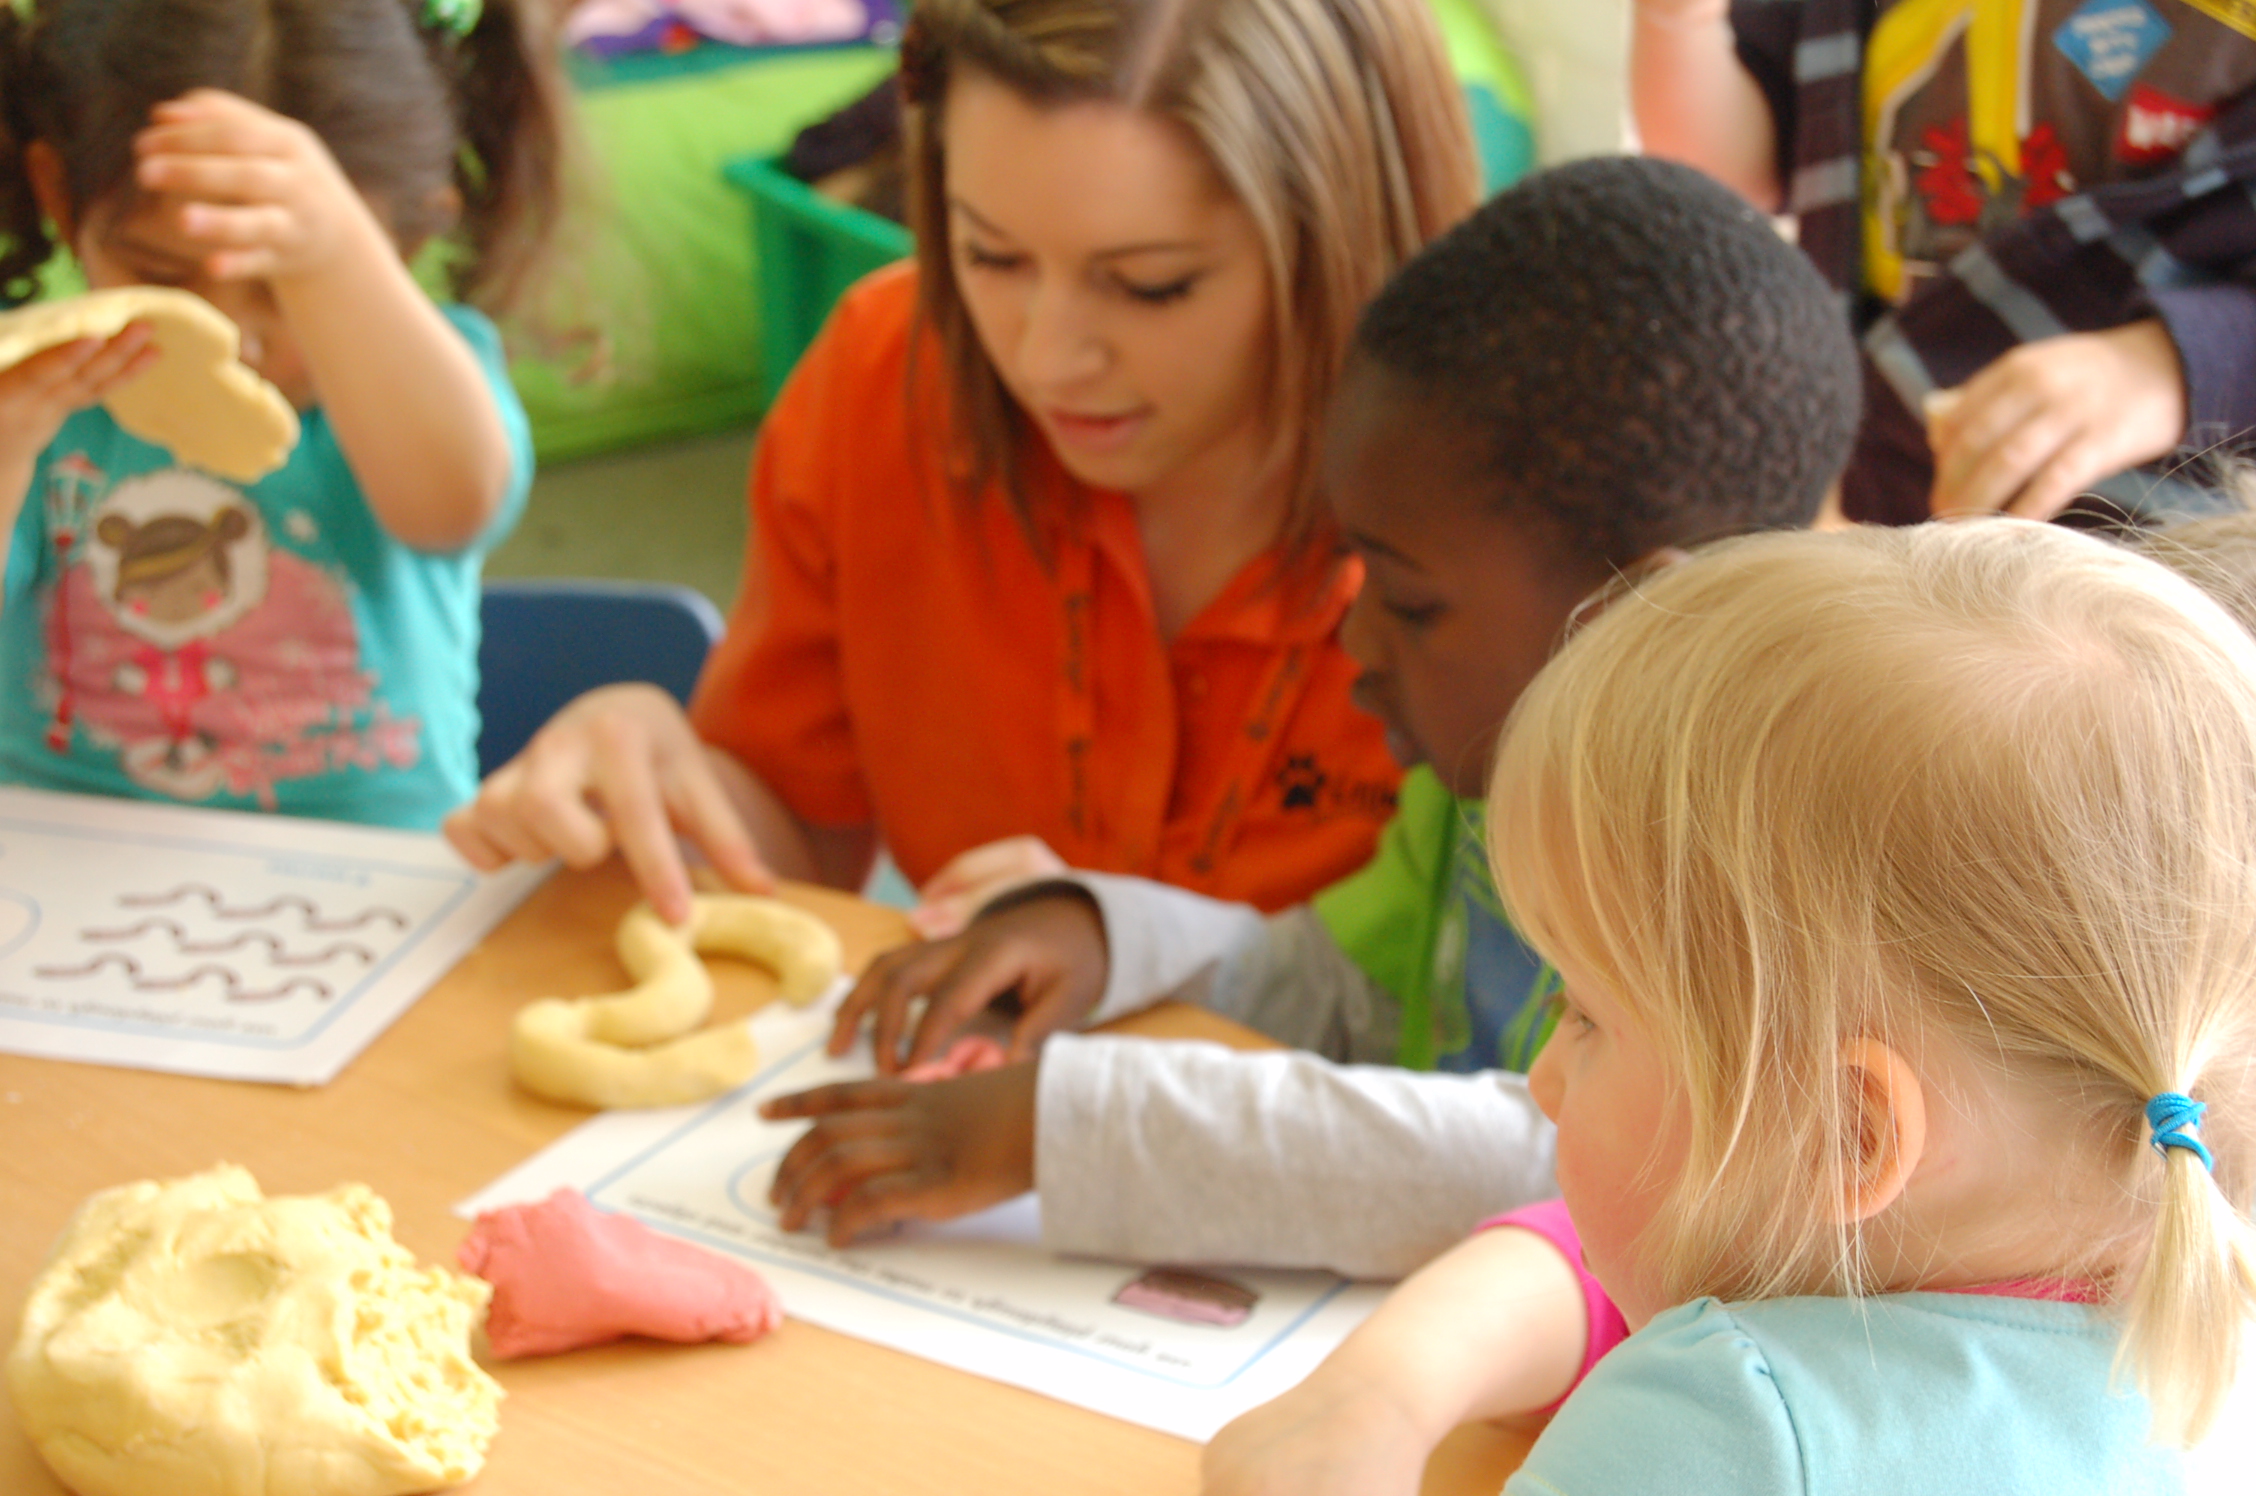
(841, 1096)
(892, 980)
(828, 1175)
(982, 973)
(884, 1200)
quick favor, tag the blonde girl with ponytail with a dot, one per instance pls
(1903, 884)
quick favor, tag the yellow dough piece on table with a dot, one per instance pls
(191, 1337)
(636, 1048)
(197, 399)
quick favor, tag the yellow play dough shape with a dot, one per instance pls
(193, 1338)
(197, 400)
(635, 1048)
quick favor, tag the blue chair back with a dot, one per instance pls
(547, 641)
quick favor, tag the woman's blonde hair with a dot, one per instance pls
(1991, 782)
(1337, 123)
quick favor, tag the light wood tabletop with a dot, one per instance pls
(428, 1115)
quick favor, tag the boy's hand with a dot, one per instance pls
(2040, 425)
(1049, 951)
(39, 394)
(259, 188)
(1322, 1438)
(883, 1151)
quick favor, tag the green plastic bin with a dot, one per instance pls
(808, 249)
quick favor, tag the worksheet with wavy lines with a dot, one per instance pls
(215, 943)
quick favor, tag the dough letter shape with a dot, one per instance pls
(635, 1048)
(198, 400)
(194, 1338)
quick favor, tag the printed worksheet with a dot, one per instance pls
(249, 947)
(1179, 1347)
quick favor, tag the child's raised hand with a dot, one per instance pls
(883, 1151)
(39, 394)
(1048, 950)
(259, 188)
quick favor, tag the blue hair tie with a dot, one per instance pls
(2170, 1114)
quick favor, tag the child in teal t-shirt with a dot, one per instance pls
(169, 635)
(306, 643)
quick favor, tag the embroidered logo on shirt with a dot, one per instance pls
(2109, 41)
(1305, 786)
(2156, 127)
(1301, 781)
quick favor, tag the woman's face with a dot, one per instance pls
(1118, 287)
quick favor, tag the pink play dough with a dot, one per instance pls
(967, 1056)
(566, 1275)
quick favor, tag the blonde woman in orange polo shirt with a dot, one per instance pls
(1036, 549)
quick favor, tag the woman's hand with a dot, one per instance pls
(257, 187)
(2039, 426)
(1048, 951)
(883, 1151)
(971, 879)
(620, 768)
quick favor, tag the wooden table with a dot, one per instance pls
(428, 1114)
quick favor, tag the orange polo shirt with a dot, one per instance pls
(901, 656)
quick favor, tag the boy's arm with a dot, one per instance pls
(1172, 1151)
(1696, 102)
(1280, 974)
(1494, 1328)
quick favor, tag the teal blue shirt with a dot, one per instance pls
(169, 635)
(1917, 1394)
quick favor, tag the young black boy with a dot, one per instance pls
(1611, 361)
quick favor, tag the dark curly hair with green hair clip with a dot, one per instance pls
(451, 117)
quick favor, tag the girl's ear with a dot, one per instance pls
(1887, 1127)
(51, 185)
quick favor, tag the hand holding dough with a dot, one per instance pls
(194, 1338)
(579, 1051)
(566, 1275)
(197, 399)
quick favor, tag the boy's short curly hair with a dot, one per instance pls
(1644, 360)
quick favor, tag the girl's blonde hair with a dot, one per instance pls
(1992, 782)
(1337, 123)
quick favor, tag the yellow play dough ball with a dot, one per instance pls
(191, 1337)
